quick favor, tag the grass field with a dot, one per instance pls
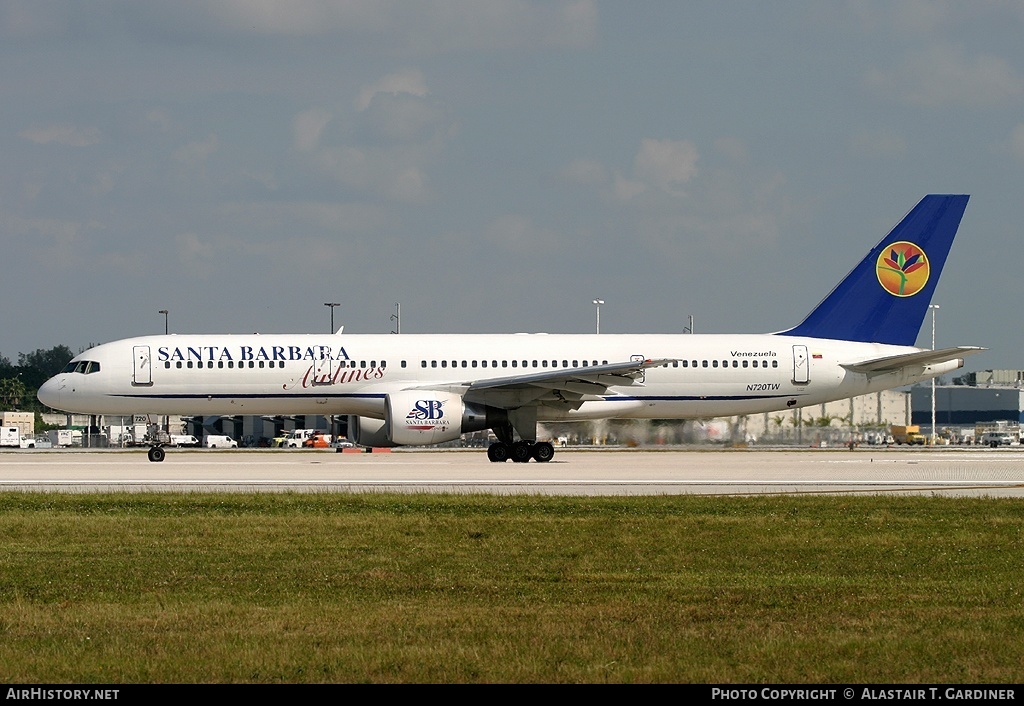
(397, 588)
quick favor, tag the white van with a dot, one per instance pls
(218, 441)
(184, 440)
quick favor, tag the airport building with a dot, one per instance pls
(985, 396)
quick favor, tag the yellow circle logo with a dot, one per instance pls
(903, 269)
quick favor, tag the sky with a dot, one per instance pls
(489, 166)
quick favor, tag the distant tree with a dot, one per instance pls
(12, 392)
(41, 364)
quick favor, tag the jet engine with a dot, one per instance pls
(423, 417)
(419, 418)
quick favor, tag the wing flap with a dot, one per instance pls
(895, 362)
(566, 385)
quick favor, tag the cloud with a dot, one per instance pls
(666, 164)
(307, 128)
(946, 75)
(409, 81)
(195, 154)
(64, 134)
(383, 25)
(197, 257)
(518, 234)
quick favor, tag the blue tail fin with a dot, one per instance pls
(885, 298)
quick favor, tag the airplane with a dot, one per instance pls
(423, 389)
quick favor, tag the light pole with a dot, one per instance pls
(397, 318)
(598, 303)
(165, 312)
(332, 305)
(933, 307)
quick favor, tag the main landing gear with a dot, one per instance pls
(156, 454)
(520, 451)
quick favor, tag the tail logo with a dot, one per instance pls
(903, 269)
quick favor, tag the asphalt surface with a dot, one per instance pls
(950, 471)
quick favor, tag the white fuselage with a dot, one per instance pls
(709, 376)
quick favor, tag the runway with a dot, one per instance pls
(950, 471)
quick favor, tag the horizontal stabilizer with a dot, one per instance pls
(895, 362)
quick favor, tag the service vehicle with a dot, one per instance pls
(317, 441)
(998, 438)
(219, 441)
(183, 440)
(909, 435)
(10, 436)
(297, 437)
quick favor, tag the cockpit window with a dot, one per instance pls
(82, 366)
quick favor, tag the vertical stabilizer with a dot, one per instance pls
(885, 298)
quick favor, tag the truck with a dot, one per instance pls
(908, 435)
(10, 436)
(297, 437)
(65, 437)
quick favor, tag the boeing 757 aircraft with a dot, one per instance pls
(414, 390)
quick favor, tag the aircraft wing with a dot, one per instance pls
(895, 362)
(562, 385)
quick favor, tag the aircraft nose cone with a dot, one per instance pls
(49, 393)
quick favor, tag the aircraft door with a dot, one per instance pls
(142, 366)
(801, 365)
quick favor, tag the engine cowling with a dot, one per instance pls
(367, 431)
(421, 418)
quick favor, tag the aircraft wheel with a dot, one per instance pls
(497, 452)
(543, 452)
(156, 454)
(522, 451)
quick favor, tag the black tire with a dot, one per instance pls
(543, 452)
(522, 452)
(496, 452)
(156, 454)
